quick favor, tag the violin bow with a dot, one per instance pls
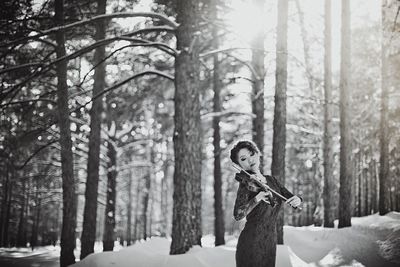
(265, 186)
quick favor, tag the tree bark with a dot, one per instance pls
(367, 179)
(219, 225)
(8, 210)
(257, 100)
(328, 115)
(36, 220)
(346, 179)
(67, 171)
(279, 124)
(109, 221)
(90, 212)
(359, 184)
(129, 207)
(137, 223)
(165, 191)
(186, 225)
(306, 48)
(21, 240)
(384, 136)
(145, 203)
(4, 204)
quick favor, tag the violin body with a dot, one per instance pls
(254, 185)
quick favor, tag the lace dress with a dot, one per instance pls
(257, 242)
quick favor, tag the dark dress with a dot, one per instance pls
(256, 246)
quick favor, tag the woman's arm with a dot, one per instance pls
(244, 204)
(286, 193)
(283, 190)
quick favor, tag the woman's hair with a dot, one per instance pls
(250, 145)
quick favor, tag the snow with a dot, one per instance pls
(371, 241)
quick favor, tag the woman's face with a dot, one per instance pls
(249, 161)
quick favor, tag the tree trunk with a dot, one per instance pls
(328, 190)
(359, 184)
(346, 179)
(367, 179)
(186, 225)
(137, 223)
(21, 240)
(257, 100)
(375, 198)
(279, 124)
(67, 171)
(109, 221)
(129, 208)
(4, 205)
(306, 47)
(8, 211)
(145, 203)
(219, 225)
(36, 220)
(384, 136)
(90, 212)
(165, 192)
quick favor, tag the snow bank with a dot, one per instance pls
(390, 221)
(155, 253)
(28, 252)
(366, 243)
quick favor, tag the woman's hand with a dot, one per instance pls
(294, 201)
(264, 196)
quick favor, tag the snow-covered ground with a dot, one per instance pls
(371, 241)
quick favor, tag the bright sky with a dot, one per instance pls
(244, 22)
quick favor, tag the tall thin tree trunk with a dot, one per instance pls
(359, 184)
(8, 210)
(67, 171)
(257, 100)
(376, 188)
(4, 205)
(36, 220)
(346, 179)
(145, 203)
(109, 221)
(306, 47)
(219, 225)
(90, 211)
(328, 115)
(129, 208)
(165, 191)
(186, 225)
(367, 179)
(384, 137)
(279, 124)
(21, 242)
(137, 220)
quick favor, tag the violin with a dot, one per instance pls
(255, 184)
(252, 184)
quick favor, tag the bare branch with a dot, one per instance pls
(22, 66)
(152, 29)
(34, 154)
(28, 101)
(211, 115)
(140, 42)
(117, 85)
(161, 17)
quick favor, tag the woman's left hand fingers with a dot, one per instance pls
(294, 201)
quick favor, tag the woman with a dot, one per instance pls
(257, 242)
